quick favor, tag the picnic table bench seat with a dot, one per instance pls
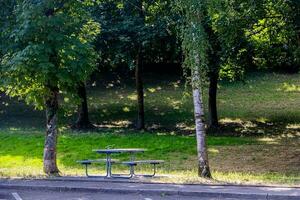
(135, 163)
(89, 162)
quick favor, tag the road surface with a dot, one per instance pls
(8, 194)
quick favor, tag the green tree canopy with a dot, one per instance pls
(123, 30)
(50, 47)
(51, 53)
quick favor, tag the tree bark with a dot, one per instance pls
(140, 93)
(203, 164)
(212, 100)
(83, 121)
(51, 102)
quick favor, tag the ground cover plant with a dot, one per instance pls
(258, 141)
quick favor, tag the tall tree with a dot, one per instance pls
(131, 35)
(196, 47)
(52, 53)
(136, 13)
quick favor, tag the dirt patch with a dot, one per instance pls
(257, 158)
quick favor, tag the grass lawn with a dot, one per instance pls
(260, 127)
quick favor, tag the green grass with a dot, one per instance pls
(260, 121)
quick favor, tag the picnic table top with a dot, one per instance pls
(119, 150)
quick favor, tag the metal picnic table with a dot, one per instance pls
(109, 152)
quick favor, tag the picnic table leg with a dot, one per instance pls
(149, 175)
(154, 169)
(108, 165)
(86, 170)
(132, 158)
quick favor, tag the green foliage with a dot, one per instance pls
(126, 25)
(51, 46)
(242, 34)
(195, 39)
(274, 37)
(259, 34)
(6, 17)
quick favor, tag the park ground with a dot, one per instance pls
(258, 141)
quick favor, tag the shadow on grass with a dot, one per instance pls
(17, 116)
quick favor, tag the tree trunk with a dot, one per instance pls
(138, 74)
(51, 102)
(212, 100)
(140, 92)
(82, 121)
(213, 74)
(203, 165)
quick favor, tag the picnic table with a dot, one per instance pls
(109, 152)
(131, 163)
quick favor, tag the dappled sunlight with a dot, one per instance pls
(259, 127)
(19, 130)
(291, 135)
(120, 96)
(213, 151)
(154, 126)
(126, 109)
(262, 120)
(63, 128)
(268, 140)
(176, 104)
(152, 90)
(5, 103)
(185, 127)
(14, 129)
(110, 85)
(288, 87)
(230, 120)
(176, 84)
(293, 126)
(114, 124)
(132, 97)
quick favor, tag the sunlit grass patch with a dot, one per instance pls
(231, 158)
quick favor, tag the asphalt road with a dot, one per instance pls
(7, 194)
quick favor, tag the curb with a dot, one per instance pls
(82, 179)
(149, 191)
(161, 183)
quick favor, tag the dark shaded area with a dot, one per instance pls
(83, 121)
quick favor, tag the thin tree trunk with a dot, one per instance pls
(139, 73)
(212, 100)
(203, 165)
(82, 121)
(51, 102)
(140, 93)
(213, 74)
